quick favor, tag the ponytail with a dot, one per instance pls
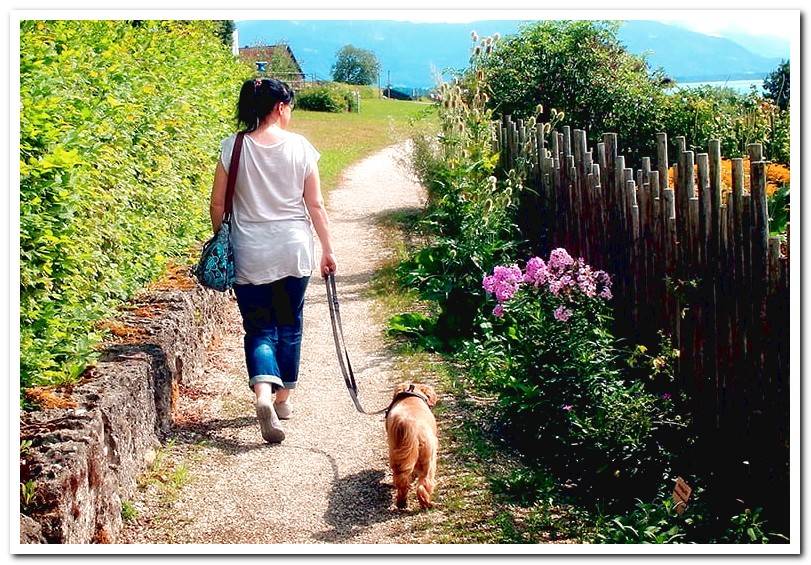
(257, 98)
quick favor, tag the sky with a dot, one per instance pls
(765, 32)
(761, 23)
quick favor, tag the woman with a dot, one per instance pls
(277, 201)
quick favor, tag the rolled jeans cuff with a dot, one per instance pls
(272, 379)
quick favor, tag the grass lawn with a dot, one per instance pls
(345, 138)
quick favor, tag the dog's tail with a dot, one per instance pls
(404, 445)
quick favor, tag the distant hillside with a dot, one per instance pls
(688, 56)
(411, 53)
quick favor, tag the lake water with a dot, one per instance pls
(742, 86)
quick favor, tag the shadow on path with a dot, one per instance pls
(206, 431)
(356, 502)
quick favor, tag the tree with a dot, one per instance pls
(355, 66)
(225, 31)
(777, 85)
(582, 69)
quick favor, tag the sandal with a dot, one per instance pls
(283, 409)
(269, 423)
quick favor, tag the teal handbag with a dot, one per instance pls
(215, 269)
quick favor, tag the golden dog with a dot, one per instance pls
(412, 439)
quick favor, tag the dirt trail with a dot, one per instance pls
(329, 481)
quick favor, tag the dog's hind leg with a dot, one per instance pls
(426, 481)
(402, 482)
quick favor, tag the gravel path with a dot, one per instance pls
(329, 481)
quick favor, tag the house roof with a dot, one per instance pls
(268, 50)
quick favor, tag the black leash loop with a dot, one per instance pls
(340, 346)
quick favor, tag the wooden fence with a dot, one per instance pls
(695, 260)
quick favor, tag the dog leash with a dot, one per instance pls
(340, 347)
(343, 355)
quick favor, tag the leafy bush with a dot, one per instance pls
(658, 522)
(321, 99)
(470, 213)
(647, 523)
(778, 207)
(778, 85)
(750, 527)
(552, 362)
(119, 131)
(736, 119)
(331, 97)
(367, 92)
(580, 68)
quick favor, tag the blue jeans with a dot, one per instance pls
(272, 316)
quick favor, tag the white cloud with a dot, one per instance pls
(721, 23)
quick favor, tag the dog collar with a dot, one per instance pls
(405, 394)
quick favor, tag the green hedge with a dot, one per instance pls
(367, 92)
(321, 99)
(328, 97)
(120, 124)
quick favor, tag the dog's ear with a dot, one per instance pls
(429, 393)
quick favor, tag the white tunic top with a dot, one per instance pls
(271, 230)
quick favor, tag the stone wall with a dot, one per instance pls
(85, 459)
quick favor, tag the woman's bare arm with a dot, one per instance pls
(315, 206)
(217, 206)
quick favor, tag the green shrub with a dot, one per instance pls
(119, 133)
(470, 213)
(778, 206)
(778, 85)
(736, 119)
(331, 97)
(648, 523)
(550, 358)
(750, 527)
(580, 68)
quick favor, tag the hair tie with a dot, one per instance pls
(256, 84)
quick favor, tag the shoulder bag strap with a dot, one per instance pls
(232, 175)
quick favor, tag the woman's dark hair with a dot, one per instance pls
(257, 99)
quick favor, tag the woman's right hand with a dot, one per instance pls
(328, 264)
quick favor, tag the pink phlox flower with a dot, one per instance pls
(511, 273)
(567, 407)
(504, 282)
(562, 314)
(666, 396)
(498, 311)
(505, 291)
(489, 284)
(536, 272)
(560, 259)
(555, 286)
(604, 281)
(587, 282)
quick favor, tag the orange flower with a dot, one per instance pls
(776, 176)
